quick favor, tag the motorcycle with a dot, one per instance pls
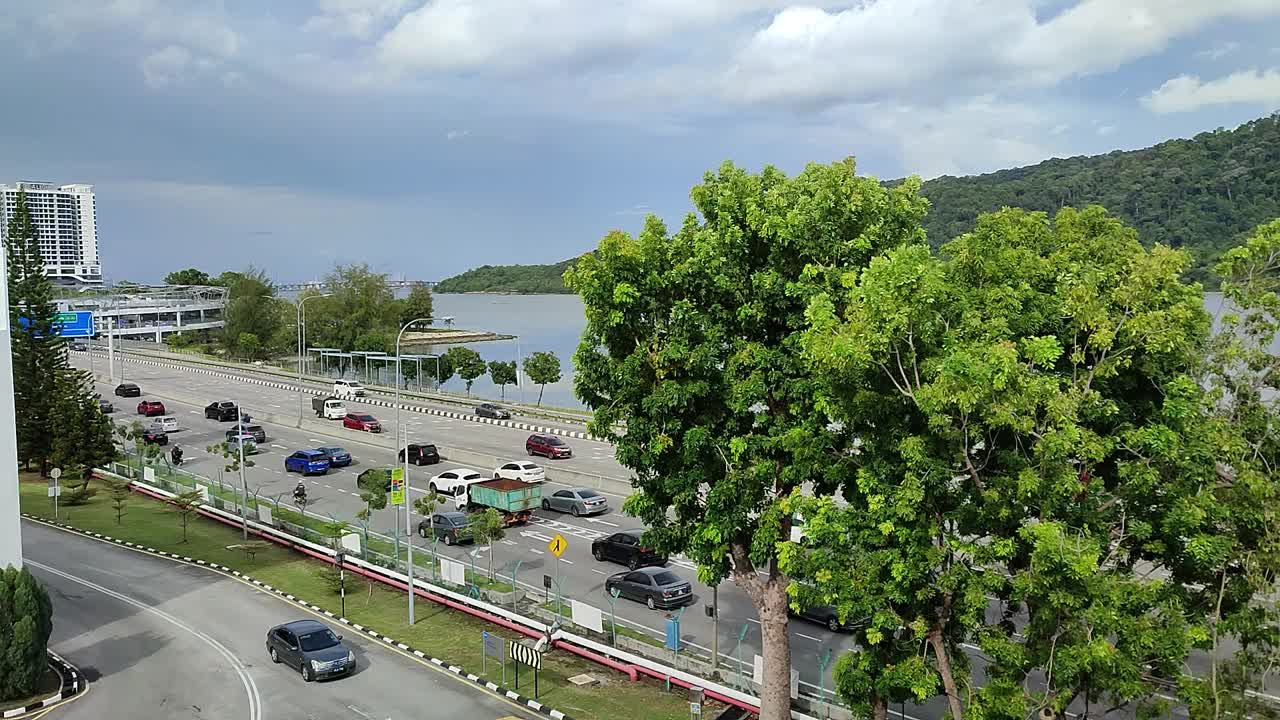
(176, 456)
(300, 494)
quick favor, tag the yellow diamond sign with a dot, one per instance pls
(557, 545)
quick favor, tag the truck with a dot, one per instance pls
(516, 500)
(328, 407)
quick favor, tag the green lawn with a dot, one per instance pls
(447, 634)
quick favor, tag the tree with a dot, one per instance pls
(248, 345)
(426, 506)
(186, 504)
(119, 490)
(487, 528)
(252, 310)
(542, 367)
(39, 352)
(26, 620)
(417, 305)
(82, 435)
(446, 368)
(503, 374)
(374, 485)
(360, 301)
(468, 362)
(1028, 428)
(190, 276)
(692, 343)
(230, 455)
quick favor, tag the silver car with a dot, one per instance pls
(576, 501)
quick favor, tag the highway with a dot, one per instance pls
(161, 640)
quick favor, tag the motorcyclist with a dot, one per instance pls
(176, 455)
(300, 491)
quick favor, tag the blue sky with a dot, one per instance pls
(427, 137)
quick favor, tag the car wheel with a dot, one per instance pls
(274, 657)
(599, 554)
(448, 539)
(529, 450)
(574, 511)
(546, 505)
(306, 670)
(634, 562)
(432, 488)
(833, 624)
(422, 533)
(649, 601)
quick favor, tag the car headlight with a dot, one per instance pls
(351, 656)
(316, 665)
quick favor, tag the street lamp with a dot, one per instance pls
(244, 484)
(403, 447)
(302, 340)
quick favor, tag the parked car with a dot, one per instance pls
(362, 421)
(105, 406)
(420, 454)
(150, 408)
(338, 457)
(490, 410)
(655, 587)
(311, 648)
(167, 423)
(307, 462)
(452, 527)
(576, 501)
(548, 445)
(128, 389)
(827, 616)
(524, 471)
(235, 441)
(450, 482)
(348, 388)
(155, 436)
(625, 548)
(223, 410)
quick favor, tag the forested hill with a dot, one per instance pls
(1201, 194)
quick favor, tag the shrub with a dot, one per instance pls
(26, 619)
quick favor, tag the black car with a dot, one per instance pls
(155, 436)
(452, 527)
(223, 410)
(258, 433)
(338, 457)
(311, 648)
(421, 454)
(655, 587)
(625, 548)
(128, 390)
(105, 406)
(489, 410)
(828, 616)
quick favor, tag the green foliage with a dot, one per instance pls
(26, 620)
(417, 305)
(119, 492)
(374, 485)
(487, 528)
(82, 435)
(692, 343)
(190, 276)
(360, 303)
(502, 374)
(523, 279)
(468, 362)
(254, 315)
(542, 367)
(186, 504)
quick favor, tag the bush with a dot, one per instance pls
(26, 619)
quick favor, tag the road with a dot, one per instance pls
(161, 640)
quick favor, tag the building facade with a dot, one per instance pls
(67, 218)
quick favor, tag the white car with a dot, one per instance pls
(520, 470)
(454, 482)
(167, 423)
(348, 388)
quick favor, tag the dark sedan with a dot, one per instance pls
(128, 390)
(311, 648)
(155, 436)
(625, 548)
(452, 527)
(655, 587)
(490, 410)
(420, 454)
(338, 457)
(828, 616)
(223, 410)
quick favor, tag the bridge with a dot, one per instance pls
(319, 285)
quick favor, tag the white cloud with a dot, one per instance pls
(1105, 130)
(359, 19)
(456, 134)
(1218, 52)
(203, 27)
(165, 67)
(1189, 92)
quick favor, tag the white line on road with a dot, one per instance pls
(535, 550)
(565, 561)
(280, 447)
(598, 572)
(808, 637)
(313, 440)
(359, 712)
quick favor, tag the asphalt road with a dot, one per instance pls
(161, 640)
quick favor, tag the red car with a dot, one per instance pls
(151, 408)
(362, 421)
(548, 445)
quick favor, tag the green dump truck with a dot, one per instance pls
(514, 499)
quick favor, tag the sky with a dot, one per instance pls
(426, 137)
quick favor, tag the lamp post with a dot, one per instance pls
(402, 447)
(302, 341)
(244, 484)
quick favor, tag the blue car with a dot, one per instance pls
(337, 456)
(307, 462)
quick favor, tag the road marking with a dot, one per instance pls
(279, 447)
(535, 550)
(313, 440)
(565, 561)
(193, 412)
(507, 542)
(598, 572)
(808, 637)
(359, 712)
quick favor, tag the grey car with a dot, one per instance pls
(654, 586)
(311, 648)
(452, 527)
(576, 501)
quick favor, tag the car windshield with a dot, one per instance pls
(471, 476)
(666, 578)
(318, 640)
(588, 494)
(365, 418)
(554, 441)
(332, 450)
(529, 466)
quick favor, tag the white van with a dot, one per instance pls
(167, 423)
(348, 388)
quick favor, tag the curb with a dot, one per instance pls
(72, 685)
(476, 680)
(380, 403)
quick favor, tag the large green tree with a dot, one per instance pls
(82, 436)
(693, 343)
(26, 620)
(542, 367)
(360, 302)
(189, 276)
(503, 374)
(417, 305)
(255, 317)
(467, 362)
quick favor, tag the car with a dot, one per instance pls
(311, 648)
(79, 346)
(827, 616)
(653, 586)
(235, 441)
(155, 436)
(576, 501)
(453, 527)
(454, 482)
(167, 423)
(128, 390)
(348, 388)
(307, 462)
(338, 457)
(524, 471)
(257, 432)
(490, 410)
(150, 408)
(548, 445)
(362, 421)
(420, 454)
(223, 410)
(105, 406)
(625, 548)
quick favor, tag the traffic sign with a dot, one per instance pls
(557, 545)
(397, 486)
(526, 655)
(77, 324)
(55, 473)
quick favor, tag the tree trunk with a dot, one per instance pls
(769, 597)
(944, 669)
(879, 707)
(540, 389)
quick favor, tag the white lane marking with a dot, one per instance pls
(280, 447)
(507, 542)
(566, 561)
(598, 572)
(193, 412)
(313, 440)
(250, 687)
(341, 490)
(535, 550)
(808, 637)
(359, 712)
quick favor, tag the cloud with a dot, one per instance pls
(1188, 92)
(165, 67)
(1105, 130)
(638, 209)
(202, 27)
(1218, 52)
(456, 134)
(358, 19)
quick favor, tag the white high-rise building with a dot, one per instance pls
(67, 218)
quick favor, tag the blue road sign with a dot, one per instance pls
(78, 324)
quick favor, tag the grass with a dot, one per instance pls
(447, 634)
(49, 684)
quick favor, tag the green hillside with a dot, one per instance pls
(1201, 194)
